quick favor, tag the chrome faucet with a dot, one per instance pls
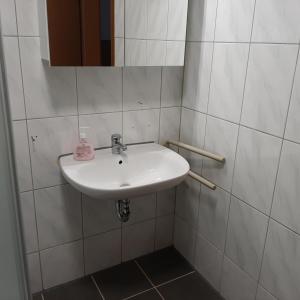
(116, 146)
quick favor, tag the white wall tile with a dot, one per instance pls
(14, 77)
(165, 203)
(282, 24)
(227, 80)
(164, 232)
(262, 294)
(234, 20)
(281, 264)
(201, 20)
(175, 53)
(34, 270)
(177, 19)
(156, 53)
(184, 239)
(208, 262)
(53, 137)
(246, 235)
(138, 240)
(119, 52)
(58, 212)
(268, 87)
(22, 155)
(62, 264)
(197, 75)
(255, 168)
(220, 138)
(99, 90)
(136, 19)
(213, 216)
(236, 284)
(142, 88)
(141, 126)
(49, 91)
(98, 216)
(171, 90)
(142, 208)
(29, 221)
(286, 206)
(187, 201)
(157, 19)
(135, 53)
(195, 160)
(192, 132)
(102, 251)
(169, 124)
(8, 17)
(192, 128)
(101, 127)
(119, 18)
(27, 16)
(293, 122)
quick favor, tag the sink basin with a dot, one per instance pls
(142, 169)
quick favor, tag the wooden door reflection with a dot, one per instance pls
(81, 32)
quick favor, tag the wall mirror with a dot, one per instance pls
(113, 32)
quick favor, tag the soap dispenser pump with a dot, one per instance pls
(84, 150)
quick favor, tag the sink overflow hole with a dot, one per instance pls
(120, 162)
(124, 184)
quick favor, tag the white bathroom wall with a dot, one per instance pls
(67, 234)
(241, 99)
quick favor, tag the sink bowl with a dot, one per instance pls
(142, 169)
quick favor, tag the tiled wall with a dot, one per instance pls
(241, 99)
(67, 234)
(153, 32)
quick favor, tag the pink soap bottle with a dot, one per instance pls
(84, 150)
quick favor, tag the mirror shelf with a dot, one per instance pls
(113, 32)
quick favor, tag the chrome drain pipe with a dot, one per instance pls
(123, 210)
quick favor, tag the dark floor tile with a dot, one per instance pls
(121, 281)
(190, 287)
(164, 265)
(82, 289)
(150, 295)
(37, 296)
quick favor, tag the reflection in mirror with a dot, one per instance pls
(113, 32)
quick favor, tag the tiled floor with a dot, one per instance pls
(161, 275)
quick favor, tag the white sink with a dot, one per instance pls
(141, 169)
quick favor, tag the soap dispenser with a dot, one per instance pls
(84, 150)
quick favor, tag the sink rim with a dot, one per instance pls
(131, 188)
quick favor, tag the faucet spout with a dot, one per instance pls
(116, 146)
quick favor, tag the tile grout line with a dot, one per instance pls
(141, 269)
(81, 195)
(96, 235)
(270, 218)
(140, 293)
(159, 141)
(40, 270)
(188, 41)
(154, 287)
(177, 278)
(205, 133)
(236, 153)
(243, 125)
(97, 287)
